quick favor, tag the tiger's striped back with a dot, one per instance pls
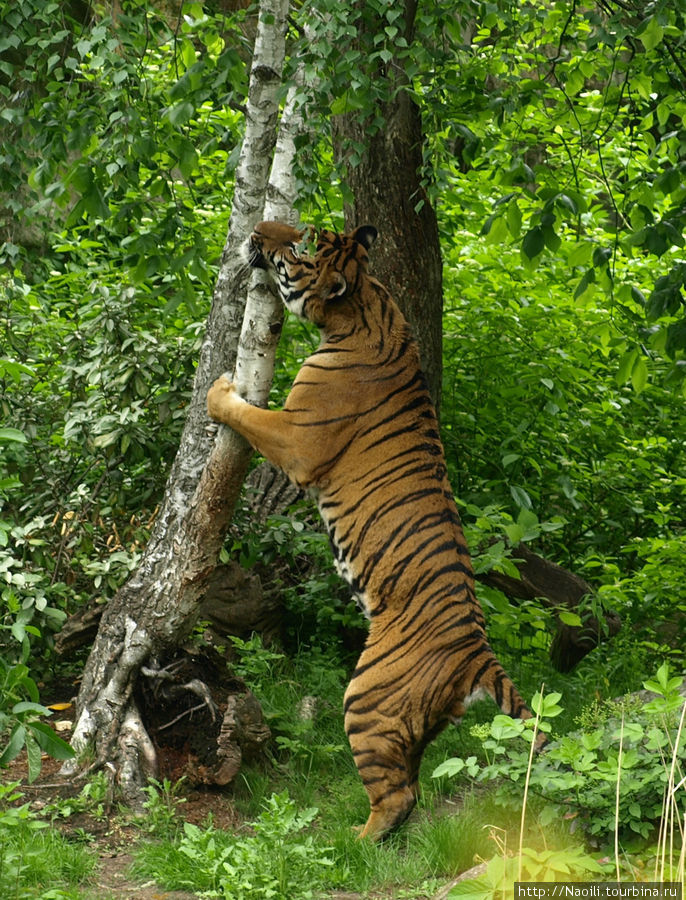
(359, 430)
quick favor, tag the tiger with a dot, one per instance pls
(359, 431)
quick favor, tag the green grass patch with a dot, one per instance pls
(38, 862)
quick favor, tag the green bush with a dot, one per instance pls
(277, 860)
(640, 746)
(20, 721)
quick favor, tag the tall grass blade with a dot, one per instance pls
(619, 778)
(526, 786)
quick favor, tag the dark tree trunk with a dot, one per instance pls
(389, 194)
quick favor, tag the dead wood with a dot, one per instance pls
(234, 604)
(202, 720)
(557, 588)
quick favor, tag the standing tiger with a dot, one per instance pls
(358, 429)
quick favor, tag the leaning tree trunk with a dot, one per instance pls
(157, 607)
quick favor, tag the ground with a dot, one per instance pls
(112, 836)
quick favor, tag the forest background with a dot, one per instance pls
(553, 154)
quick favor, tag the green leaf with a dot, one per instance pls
(50, 742)
(547, 707)
(348, 101)
(527, 522)
(514, 532)
(498, 230)
(14, 745)
(570, 618)
(639, 375)
(12, 434)
(533, 242)
(520, 497)
(676, 338)
(587, 279)
(626, 365)
(601, 256)
(480, 888)
(651, 34)
(514, 219)
(27, 706)
(94, 203)
(15, 370)
(180, 113)
(580, 254)
(450, 767)
(33, 757)
(566, 202)
(551, 238)
(188, 159)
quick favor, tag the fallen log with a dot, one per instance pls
(559, 589)
(236, 605)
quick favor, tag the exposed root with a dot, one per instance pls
(195, 686)
(137, 758)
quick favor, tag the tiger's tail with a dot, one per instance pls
(500, 687)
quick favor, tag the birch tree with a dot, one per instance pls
(158, 605)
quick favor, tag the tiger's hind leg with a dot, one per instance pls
(380, 743)
(381, 760)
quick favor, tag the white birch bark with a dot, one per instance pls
(263, 315)
(264, 310)
(156, 608)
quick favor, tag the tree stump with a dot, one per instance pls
(202, 720)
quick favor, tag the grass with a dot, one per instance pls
(441, 840)
(41, 863)
(458, 823)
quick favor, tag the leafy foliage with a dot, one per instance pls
(118, 138)
(578, 116)
(570, 864)
(555, 158)
(578, 774)
(20, 721)
(278, 860)
(145, 103)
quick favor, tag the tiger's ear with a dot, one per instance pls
(335, 286)
(365, 235)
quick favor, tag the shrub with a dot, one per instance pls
(643, 748)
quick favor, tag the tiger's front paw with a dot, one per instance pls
(221, 400)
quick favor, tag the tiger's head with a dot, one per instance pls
(310, 285)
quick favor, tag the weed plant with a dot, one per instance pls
(622, 773)
(36, 861)
(278, 859)
(162, 806)
(90, 799)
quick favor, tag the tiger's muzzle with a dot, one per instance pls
(255, 256)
